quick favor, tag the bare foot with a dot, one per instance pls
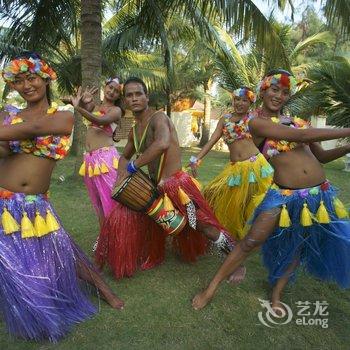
(278, 309)
(238, 275)
(116, 303)
(202, 299)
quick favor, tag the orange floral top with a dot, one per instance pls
(233, 131)
(54, 147)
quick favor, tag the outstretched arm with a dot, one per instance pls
(161, 142)
(129, 151)
(326, 156)
(215, 137)
(113, 116)
(4, 146)
(207, 147)
(60, 123)
(264, 128)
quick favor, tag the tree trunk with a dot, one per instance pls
(168, 104)
(207, 113)
(91, 50)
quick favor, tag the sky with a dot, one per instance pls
(299, 7)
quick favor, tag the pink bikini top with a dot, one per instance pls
(106, 128)
(54, 147)
(233, 131)
(270, 148)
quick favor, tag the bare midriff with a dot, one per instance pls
(241, 150)
(297, 168)
(97, 138)
(26, 173)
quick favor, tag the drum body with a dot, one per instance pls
(139, 193)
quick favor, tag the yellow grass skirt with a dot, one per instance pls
(231, 193)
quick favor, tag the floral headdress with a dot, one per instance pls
(115, 80)
(282, 77)
(245, 92)
(33, 65)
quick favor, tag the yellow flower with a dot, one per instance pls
(287, 192)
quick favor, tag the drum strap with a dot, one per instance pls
(138, 146)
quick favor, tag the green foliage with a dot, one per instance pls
(328, 94)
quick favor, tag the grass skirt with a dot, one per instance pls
(40, 295)
(100, 174)
(317, 233)
(230, 193)
(130, 240)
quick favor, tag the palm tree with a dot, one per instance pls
(237, 69)
(328, 94)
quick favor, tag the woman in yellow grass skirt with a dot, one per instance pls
(248, 173)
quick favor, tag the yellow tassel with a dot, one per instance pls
(97, 170)
(40, 225)
(284, 217)
(27, 227)
(168, 205)
(82, 170)
(184, 199)
(115, 163)
(51, 222)
(305, 219)
(196, 182)
(8, 222)
(90, 171)
(104, 168)
(340, 209)
(322, 215)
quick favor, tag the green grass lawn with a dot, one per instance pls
(158, 313)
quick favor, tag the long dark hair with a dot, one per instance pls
(35, 55)
(119, 101)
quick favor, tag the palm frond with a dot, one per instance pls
(338, 12)
(319, 38)
(328, 95)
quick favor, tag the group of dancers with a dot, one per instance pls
(272, 194)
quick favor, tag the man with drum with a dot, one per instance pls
(130, 239)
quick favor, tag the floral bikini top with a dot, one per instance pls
(106, 128)
(54, 147)
(270, 148)
(233, 131)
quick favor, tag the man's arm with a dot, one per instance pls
(129, 151)
(161, 142)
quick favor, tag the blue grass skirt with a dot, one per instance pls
(316, 231)
(40, 294)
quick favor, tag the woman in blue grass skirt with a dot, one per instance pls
(300, 220)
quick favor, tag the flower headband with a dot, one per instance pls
(31, 65)
(115, 80)
(281, 78)
(244, 92)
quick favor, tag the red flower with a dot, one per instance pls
(325, 186)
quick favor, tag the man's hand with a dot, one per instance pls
(193, 167)
(122, 175)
